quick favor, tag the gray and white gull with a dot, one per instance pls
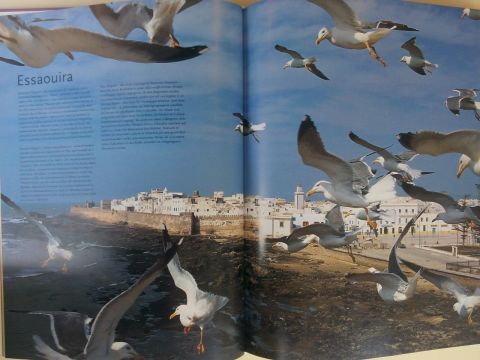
(37, 46)
(392, 284)
(351, 33)
(156, 22)
(300, 62)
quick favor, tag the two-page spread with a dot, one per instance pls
(189, 179)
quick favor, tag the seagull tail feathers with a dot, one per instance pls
(46, 351)
(383, 190)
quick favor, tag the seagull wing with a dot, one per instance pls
(362, 173)
(189, 3)
(453, 104)
(320, 230)
(103, 328)
(70, 330)
(422, 194)
(406, 156)
(11, 61)
(386, 24)
(440, 281)
(466, 92)
(74, 39)
(313, 153)
(342, 14)
(335, 219)
(412, 48)
(381, 151)
(387, 280)
(418, 70)
(122, 22)
(183, 279)
(434, 143)
(393, 265)
(292, 53)
(314, 70)
(52, 240)
(243, 120)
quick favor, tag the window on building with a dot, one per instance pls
(281, 223)
(399, 211)
(424, 227)
(413, 211)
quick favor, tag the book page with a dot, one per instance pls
(314, 295)
(104, 143)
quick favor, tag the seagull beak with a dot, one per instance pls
(138, 357)
(310, 192)
(461, 169)
(319, 40)
(173, 315)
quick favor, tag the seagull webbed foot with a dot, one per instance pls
(373, 53)
(174, 41)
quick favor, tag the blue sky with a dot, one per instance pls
(209, 159)
(362, 96)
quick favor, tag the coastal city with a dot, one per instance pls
(278, 217)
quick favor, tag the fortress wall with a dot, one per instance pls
(177, 225)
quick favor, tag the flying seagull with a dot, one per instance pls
(415, 60)
(374, 212)
(464, 101)
(69, 330)
(465, 142)
(246, 128)
(392, 284)
(38, 46)
(54, 246)
(342, 189)
(100, 343)
(294, 243)
(391, 162)
(466, 299)
(350, 33)
(201, 306)
(329, 235)
(298, 61)
(454, 213)
(157, 23)
(471, 13)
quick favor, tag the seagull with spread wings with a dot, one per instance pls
(391, 162)
(37, 46)
(55, 248)
(464, 101)
(351, 33)
(415, 60)
(201, 306)
(343, 189)
(465, 142)
(330, 235)
(300, 62)
(392, 284)
(454, 213)
(467, 300)
(247, 128)
(100, 343)
(157, 23)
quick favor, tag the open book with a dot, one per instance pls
(190, 179)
